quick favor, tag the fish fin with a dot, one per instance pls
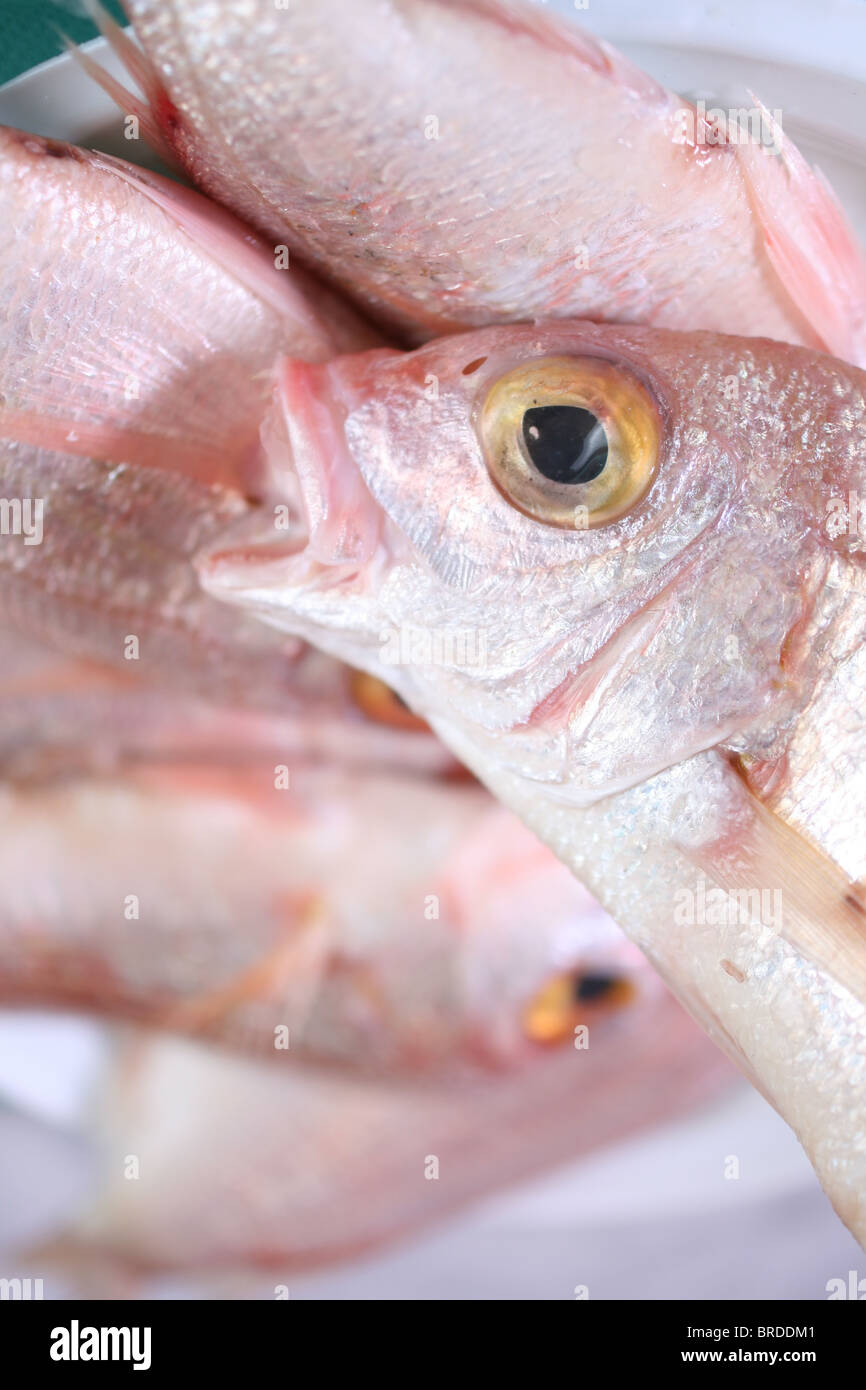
(809, 241)
(117, 443)
(289, 976)
(823, 912)
(562, 36)
(139, 68)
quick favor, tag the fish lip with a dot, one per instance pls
(311, 459)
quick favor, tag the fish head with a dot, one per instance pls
(531, 957)
(582, 551)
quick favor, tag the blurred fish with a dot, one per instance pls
(61, 717)
(374, 921)
(613, 566)
(245, 1168)
(455, 163)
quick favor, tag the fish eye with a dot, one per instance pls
(380, 703)
(569, 1000)
(571, 441)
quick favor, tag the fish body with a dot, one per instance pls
(381, 964)
(455, 163)
(138, 316)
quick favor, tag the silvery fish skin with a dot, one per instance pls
(250, 1168)
(305, 922)
(137, 321)
(628, 688)
(454, 163)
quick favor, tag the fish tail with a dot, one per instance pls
(804, 231)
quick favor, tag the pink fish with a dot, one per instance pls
(613, 563)
(304, 921)
(386, 925)
(61, 717)
(538, 651)
(244, 1168)
(138, 320)
(454, 163)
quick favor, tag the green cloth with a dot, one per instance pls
(29, 31)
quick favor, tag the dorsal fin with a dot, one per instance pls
(139, 67)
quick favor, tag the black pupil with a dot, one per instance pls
(566, 443)
(588, 987)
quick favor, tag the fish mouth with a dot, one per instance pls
(310, 464)
(318, 527)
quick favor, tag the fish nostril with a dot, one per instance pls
(473, 366)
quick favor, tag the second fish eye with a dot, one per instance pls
(571, 441)
(382, 704)
(567, 1000)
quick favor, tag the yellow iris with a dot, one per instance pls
(571, 441)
